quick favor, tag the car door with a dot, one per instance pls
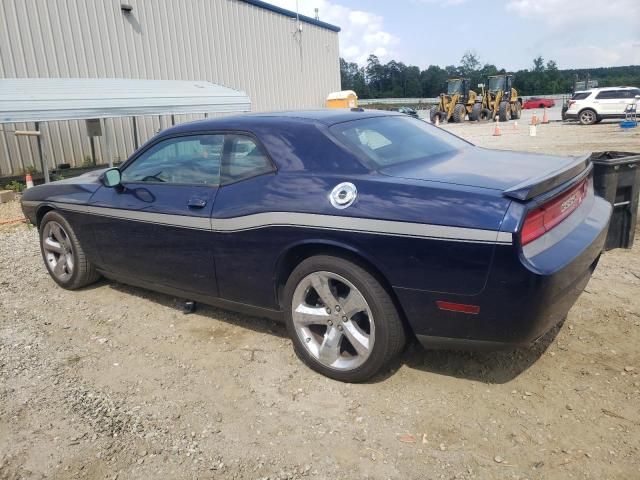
(156, 227)
(610, 102)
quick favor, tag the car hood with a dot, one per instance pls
(479, 167)
(89, 177)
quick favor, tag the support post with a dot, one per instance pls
(107, 140)
(135, 133)
(173, 120)
(92, 142)
(43, 160)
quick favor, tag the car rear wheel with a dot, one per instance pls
(342, 321)
(588, 117)
(63, 255)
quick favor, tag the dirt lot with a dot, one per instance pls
(115, 382)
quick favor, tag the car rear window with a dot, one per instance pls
(386, 141)
(580, 95)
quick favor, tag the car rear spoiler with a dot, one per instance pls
(535, 186)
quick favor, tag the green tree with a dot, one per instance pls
(469, 63)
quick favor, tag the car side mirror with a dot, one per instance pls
(111, 178)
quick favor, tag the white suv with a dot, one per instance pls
(592, 106)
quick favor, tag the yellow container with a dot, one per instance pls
(343, 99)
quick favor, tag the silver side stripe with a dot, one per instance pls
(298, 220)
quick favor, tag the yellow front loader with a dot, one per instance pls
(458, 103)
(500, 100)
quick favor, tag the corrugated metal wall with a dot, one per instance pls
(228, 42)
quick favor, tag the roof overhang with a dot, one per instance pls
(50, 99)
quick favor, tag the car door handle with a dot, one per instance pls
(197, 202)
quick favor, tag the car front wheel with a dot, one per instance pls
(342, 321)
(63, 255)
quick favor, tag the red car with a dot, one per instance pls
(535, 102)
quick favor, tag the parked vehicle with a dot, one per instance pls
(357, 228)
(408, 111)
(594, 105)
(457, 103)
(500, 99)
(536, 102)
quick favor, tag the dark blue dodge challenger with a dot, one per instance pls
(357, 228)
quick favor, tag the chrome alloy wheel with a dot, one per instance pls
(333, 320)
(588, 117)
(58, 251)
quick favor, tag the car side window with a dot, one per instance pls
(192, 160)
(243, 158)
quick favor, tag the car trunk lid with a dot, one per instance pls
(517, 175)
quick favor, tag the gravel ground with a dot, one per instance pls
(115, 382)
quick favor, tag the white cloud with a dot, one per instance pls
(362, 32)
(584, 33)
(562, 13)
(624, 53)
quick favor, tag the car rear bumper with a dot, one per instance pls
(525, 295)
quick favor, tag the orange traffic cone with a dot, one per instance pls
(545, 117)
(28, 180)
(534, 118)
(496, 131)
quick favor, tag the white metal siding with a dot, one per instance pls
(228, 42)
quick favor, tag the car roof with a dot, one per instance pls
(600, 89)
(327, 117)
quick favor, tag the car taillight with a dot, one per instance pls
(544, 218)
(571, 102)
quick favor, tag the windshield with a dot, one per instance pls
(454, 86)
(386, 141)
(496, 83)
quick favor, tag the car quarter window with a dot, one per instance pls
(193, 159)
(243, 158)
(580, 95)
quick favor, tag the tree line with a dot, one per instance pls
(396, 79)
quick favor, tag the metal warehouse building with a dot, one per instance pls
(280, 60)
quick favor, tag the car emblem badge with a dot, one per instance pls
(343, 195)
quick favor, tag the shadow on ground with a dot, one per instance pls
(485, 366)
(496, 367)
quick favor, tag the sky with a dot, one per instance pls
(506, 33)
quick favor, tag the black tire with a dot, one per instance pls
(485, 115)
(389, 330)
(83, 273)
(433, 113)
(459, 113)
(541, 105)
(504, 111)
(587, 117)
(476, 109)
(516, 111)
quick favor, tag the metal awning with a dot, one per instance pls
(50, 99)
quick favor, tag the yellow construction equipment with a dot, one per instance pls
(500, 100)
(457, 103)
